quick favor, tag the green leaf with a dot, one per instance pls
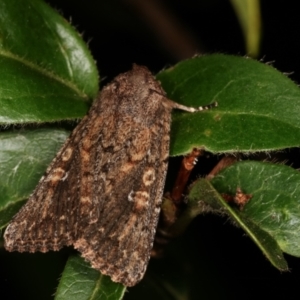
(275, 204)
(80, 281)
(46, 71)
(202, 190)
(248, 13)
(24, 157)
(259, 108)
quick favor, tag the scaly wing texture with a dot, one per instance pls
(102, 192)
(49, 219)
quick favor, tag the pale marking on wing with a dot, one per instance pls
(66, 155)
(149, 176)
(56, 175)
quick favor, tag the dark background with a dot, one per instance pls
(119, 34)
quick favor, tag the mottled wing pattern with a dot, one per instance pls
(121, 218)
(48, 220)
(102, 193)
(122, 203)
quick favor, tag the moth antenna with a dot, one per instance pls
(209, 106)
(194, 109)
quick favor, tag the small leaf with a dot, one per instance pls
(46, 70)
(275, 202)
(259, 108)
(203, 190)
(80, 281)
(24, 157)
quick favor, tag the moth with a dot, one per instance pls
(103, 190)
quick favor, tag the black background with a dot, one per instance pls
(119, 35)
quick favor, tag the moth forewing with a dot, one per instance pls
(102, 192)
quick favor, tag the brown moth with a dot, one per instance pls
(102, 192)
